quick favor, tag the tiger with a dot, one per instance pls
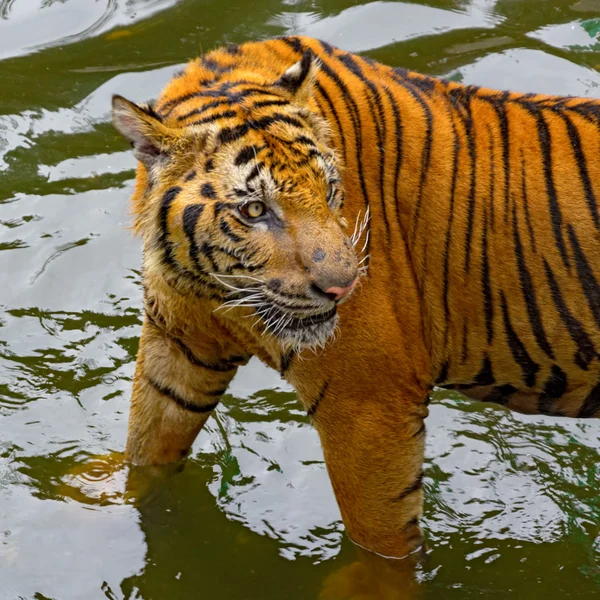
(371, 233)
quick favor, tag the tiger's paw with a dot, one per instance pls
(372, 578)
(351, 582)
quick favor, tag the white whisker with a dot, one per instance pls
(217, 275)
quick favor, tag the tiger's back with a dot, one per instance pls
(494, 194)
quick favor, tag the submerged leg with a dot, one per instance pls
(373, 441)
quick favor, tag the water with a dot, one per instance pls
(512, 508)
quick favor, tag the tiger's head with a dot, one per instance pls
(242, 199)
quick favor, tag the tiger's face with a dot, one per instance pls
(251, 210)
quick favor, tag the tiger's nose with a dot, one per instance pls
(339, 293)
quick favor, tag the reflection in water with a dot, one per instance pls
(512, 506)
(376, 24)
(27, 27)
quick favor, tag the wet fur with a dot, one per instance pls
(478, 272)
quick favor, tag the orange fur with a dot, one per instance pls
(482, 225)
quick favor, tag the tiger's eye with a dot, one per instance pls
(253, 210)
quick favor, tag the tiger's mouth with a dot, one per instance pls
(284, 317)
(301, 323)
(302, 332)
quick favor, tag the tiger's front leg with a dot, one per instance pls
(373, 438)
(178, 382)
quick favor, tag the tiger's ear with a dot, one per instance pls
(150, 139)
(299, 78)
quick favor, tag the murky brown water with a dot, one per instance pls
(512, 504)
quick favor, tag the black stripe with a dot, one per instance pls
(485, 375)
(415, 486)
(182, 402)
(443, 376)
(245, 155)
(219, 392)
(461, 101)
(525, 201)
(231, 134)
(312, 409)
(590, 110)
(195, 279)
(336, 117)
(351, 106)
(484, 378)
(553, 205)
(470, 132)
(255, 172)
(585, 348)
(214, 66)
(591, 405)
(449, 236)
(294, 43)
(226, 229)
(163, 239)
(168, 107)
(208, 191)
(517, 348)
(260, 265)
(191, 214)
(221, 206)
(190, 176)
(225, 91)
(498, 103)
(465, 348)
(500, 394)
(286, 361)
(486, 285)
(303, 139)
(202, 109)
(398, 138)
(207, 250)
(582, 165)
(222, 366)
(264, 122)
(263, 103)
(227, 252)
(229, 114)
(378, 120)
(556, 385)
(588, 281)
(397, 76)
(528, 291)
(492, 187)
(381, 129)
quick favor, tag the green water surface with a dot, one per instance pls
(512, 505)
